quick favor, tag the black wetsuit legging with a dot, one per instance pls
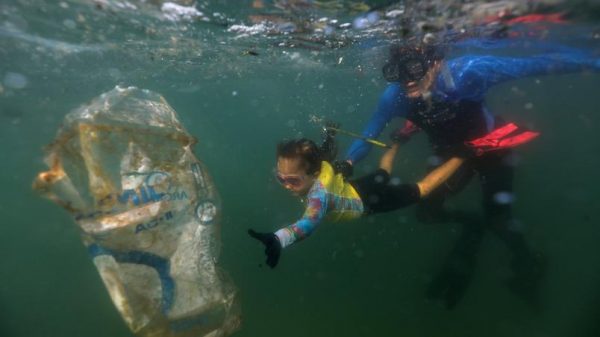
(496, 173)
(380, 194)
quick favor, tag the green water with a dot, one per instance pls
(362, 278)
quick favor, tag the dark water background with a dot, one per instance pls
(363, 278)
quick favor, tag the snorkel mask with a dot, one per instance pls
(409, 63)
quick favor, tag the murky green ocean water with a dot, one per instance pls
(363, 278)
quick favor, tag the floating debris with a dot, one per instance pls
(250, 52)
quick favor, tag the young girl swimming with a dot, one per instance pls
(305, 170)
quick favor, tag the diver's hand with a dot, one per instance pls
(272, 246)
(402, 135)
(344, 167)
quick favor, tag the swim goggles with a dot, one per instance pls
(292, 180)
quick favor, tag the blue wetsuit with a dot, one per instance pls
(461, 90)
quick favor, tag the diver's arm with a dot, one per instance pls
(313, 215)
(473, 75)
(392, 103)
(438, 176)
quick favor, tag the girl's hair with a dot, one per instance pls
(308, 152)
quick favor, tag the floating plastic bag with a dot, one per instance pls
(148, 211)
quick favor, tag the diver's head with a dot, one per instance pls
(409, 63)
(298, 165)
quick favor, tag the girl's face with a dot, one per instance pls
(292, 175)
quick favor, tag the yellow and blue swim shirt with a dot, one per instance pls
(330, 198)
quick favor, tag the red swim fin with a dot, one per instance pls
(500, 138)
(500, 132)
(519, 139)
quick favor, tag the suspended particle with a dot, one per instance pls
(434, 160)
(504, 198)
(15, 80)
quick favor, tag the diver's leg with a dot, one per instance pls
(496, 175)
(370, 187)
(451, 283)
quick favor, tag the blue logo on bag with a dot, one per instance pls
(156, 186)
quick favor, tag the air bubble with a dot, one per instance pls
(504, 198)
(69, 23)
(434, 160)
(360, 23)
(114, 73)
(395, 181)
(15, 80)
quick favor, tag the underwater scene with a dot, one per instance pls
(193, 168)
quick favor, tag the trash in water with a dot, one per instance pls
(148, 213)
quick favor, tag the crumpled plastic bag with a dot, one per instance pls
(148, 213)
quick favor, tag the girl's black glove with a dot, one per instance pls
(272, 246)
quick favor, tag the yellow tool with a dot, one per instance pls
(356, 135)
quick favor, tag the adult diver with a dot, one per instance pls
(444, 97)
